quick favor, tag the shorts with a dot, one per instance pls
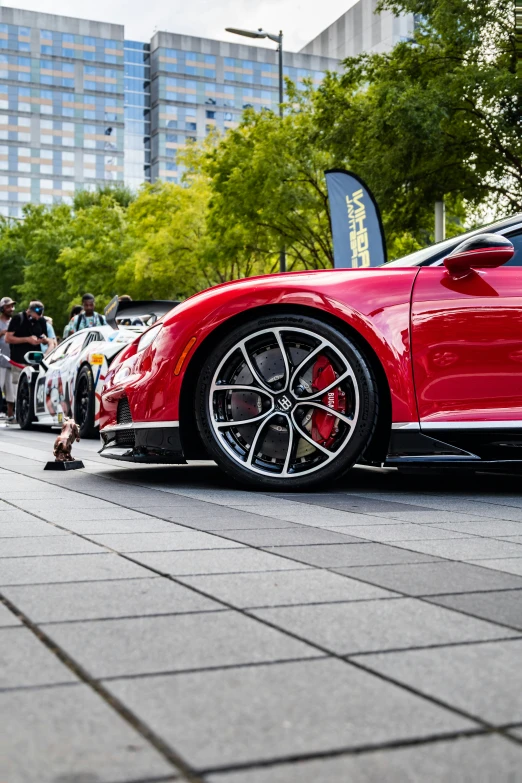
(6, 383)
(15, 375)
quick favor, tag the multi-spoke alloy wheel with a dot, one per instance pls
(286, 403)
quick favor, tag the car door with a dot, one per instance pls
(53, 396)
(467, 346)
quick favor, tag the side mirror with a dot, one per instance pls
(484, 251)
(35, 358)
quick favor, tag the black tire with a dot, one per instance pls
(25, 403)
(84, 404)
(305, 461)
(69, 412)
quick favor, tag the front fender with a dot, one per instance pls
(373, 302)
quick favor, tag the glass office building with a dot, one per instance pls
(80, 106)
(359, 30)
(137, 113)
(198, 84)
(61, 107)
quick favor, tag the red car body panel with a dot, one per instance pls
(467, 345)
(375, 302)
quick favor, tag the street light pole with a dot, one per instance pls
(282, 252)
(281, 92)
(279, 40)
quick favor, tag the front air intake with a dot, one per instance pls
(124, 415)
(126, 438)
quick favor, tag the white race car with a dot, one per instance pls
(68, 380)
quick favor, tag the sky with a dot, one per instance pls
(300, 20)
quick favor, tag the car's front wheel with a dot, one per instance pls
(84, 404)
(287, 402)
(24, 404)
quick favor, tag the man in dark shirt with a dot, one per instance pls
(26, 331)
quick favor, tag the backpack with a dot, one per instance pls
(100, 320)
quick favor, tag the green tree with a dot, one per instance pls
(121, 194)
(268, 190)
(166, 241)
(12, 257)
(34, 245)
(97, 246)
(437, 117)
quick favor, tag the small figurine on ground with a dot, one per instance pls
(64, 441)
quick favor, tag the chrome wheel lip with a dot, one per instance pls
(310, 400)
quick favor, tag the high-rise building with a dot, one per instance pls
(198, 84)
(61, 107)
(137, 113)
(81, 106)
(359, 30)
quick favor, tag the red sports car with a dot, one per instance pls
(288, 380)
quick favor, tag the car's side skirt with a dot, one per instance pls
(457, 442)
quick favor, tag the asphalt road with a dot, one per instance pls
(162, 624)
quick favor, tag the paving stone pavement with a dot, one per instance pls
(159, 624)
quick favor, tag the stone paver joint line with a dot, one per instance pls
(266, 637)
(168, 753)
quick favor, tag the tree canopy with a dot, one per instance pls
(437, 117)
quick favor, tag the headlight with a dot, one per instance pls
(148, 338)
(121, 374)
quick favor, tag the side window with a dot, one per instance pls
(59, 352)
(68, 348)
(90, 337)
(94, 337)
(52, 356)
(77, 343)
(516, 238)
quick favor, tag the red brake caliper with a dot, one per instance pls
(324, 425)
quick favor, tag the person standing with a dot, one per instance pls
(88, 317)
(69, 327)
(51, 336)
(26, 331)
(6, 375)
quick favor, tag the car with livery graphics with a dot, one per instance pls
(68, 380)
(286, 381)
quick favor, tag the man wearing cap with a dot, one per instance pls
(88, 317)
(26, 332)
(6, 376)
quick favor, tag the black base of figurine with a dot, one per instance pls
(74, 464)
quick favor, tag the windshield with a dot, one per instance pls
(441, 249)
